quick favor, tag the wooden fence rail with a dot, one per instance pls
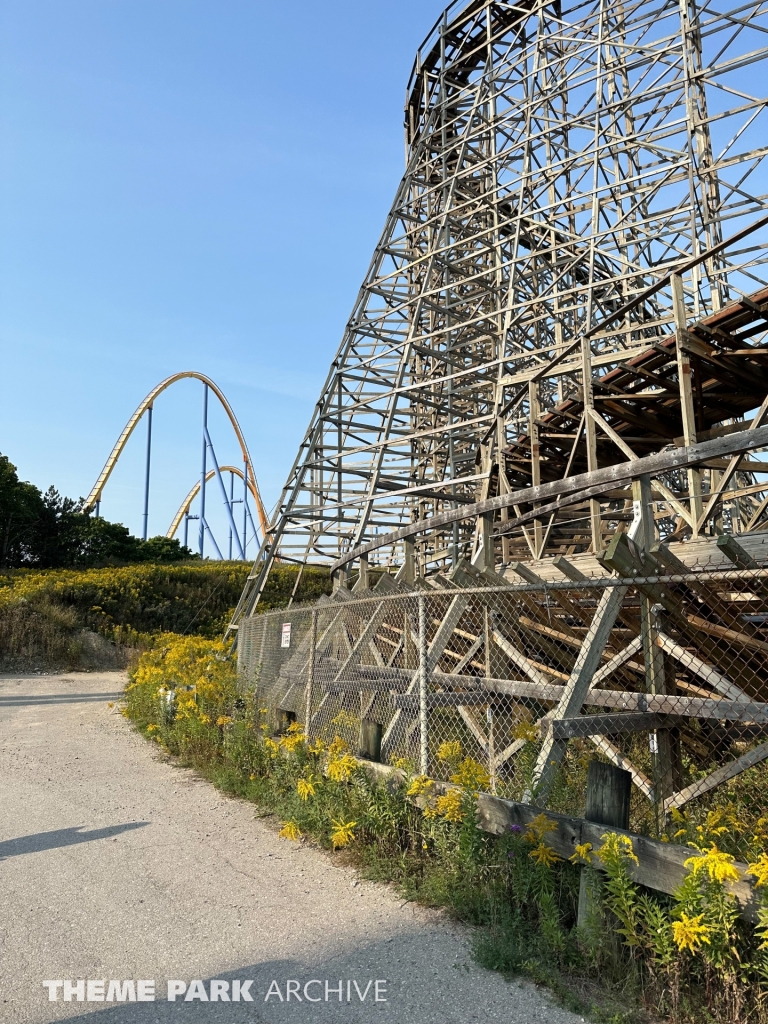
(661, 866)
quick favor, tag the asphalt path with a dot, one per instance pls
(116, 865)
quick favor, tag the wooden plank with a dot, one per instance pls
(710, 675)
(661, 865)
(718, 709)
(609, 725)
(718, 777)
(615, 756)
(410, 701)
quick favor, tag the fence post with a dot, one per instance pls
(608, 793)
(424, 759)
(310, 673)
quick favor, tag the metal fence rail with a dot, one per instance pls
(513, 688)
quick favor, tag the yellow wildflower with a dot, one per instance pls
(223, 720)
(292, 740)
(345, 720)
(305, 787)
(342, 834)
(338, 747)
(152, 728)
(718, 865)
(759, 870)
(449, 751)
(581, 853)
(317, 747)
(405, 764)
(251, 777)
(421, 784)
(450, 806)
(290, 830)
(205, 719)
(111, 704)
(525, 731)
(544, 854)
(339, 769)
(263, 711)
(471, 776)
(295, 727)
(689, 932)
(272, 748)
(615, 849)
(539, 827)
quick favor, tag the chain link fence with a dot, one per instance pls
(513, 688)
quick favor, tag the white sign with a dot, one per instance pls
(285, 640)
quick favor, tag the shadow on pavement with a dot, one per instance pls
(410, 999)
(39, 841)
(58, 698)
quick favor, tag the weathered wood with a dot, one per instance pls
(577, 687)
(661, 866)
(718, 777)
(608, 793)
(609, 725)
(410, 701)
(748, 712)
(582, 485)
(370, 739)
(615, 756)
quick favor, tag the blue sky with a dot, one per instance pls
(186, 184)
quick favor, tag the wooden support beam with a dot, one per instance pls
(717, 777)
(609, 725)
(575, 691)
(686, 399)
(581, 487)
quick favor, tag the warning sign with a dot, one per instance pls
(285, 640)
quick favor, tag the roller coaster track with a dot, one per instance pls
(187, 503)
(98, 488)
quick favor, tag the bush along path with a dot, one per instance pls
(685, 958)
(43, 612)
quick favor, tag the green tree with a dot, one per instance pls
(21, 509)
(52, 531)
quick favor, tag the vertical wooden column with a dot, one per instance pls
(488, 637)
(310, 674)
(686, 396)
(487, 561)
(370, 739)
(608, 794)
(363, 579)
(410, 560)
(591, 439)
(504, 487)
(534, 411)
(663, 742)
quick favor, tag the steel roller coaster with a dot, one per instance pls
(247, 474)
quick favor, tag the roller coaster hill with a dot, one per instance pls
(534, 468)
(241, 533)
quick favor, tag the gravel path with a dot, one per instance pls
(115, 864)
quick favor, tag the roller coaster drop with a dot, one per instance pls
(246, 474)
